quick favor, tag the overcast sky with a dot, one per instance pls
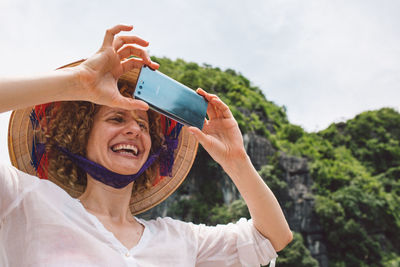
(325, 61)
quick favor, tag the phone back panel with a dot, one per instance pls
(171, 98)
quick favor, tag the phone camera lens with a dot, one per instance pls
(138, 93)
(140, 87)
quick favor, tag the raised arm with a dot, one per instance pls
(222, 139)
(94, 80)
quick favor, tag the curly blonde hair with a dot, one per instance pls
(69, 127)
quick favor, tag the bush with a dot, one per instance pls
(296, 254)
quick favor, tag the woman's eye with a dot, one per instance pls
(117, 119)
(142, 125)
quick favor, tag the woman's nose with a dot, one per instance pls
(132, 128)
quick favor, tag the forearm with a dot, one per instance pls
(264, 208)
(222, 139)
(22, 92)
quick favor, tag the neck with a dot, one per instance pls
(102, 200)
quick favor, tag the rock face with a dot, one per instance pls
(296, 199)
(299, 206)
(258, 148)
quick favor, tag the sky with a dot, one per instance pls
(325, 61)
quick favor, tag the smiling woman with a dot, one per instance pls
(103, 157)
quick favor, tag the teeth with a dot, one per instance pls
(131, 148)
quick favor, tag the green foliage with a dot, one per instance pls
(356, 176)
(354, 220)
(372, 136)
(252, 111)
(296, 254)
(291, 133)
(310, 146)
(391, 260)
(336, 171)
(355, 166)
(227, 214)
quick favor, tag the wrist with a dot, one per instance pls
(82, 81)
(72, 87)
(238, 164)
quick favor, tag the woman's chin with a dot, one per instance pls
(125, 171)
(124, 165)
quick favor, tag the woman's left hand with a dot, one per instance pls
(221, 136)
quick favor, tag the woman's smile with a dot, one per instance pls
(125, 149)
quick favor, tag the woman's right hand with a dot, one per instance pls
(98, 75)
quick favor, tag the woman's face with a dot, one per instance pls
(119, 139)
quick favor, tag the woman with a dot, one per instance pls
(131, 161)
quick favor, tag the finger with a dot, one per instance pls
(111, 32)
(207, 96)
(130, 50)
(132, 63)
(122, 40)
(200, 136)
(222, 108)
(211, 111)
(130, 103)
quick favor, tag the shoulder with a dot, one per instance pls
(11, 176)
(16, 183)
(15, 186)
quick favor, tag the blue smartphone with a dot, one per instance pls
(170, 98)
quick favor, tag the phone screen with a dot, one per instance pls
(171, 98)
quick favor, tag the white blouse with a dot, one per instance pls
(41, 225)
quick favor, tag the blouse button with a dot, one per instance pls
(127, 254)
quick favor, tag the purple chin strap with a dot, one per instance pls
(103, 174)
